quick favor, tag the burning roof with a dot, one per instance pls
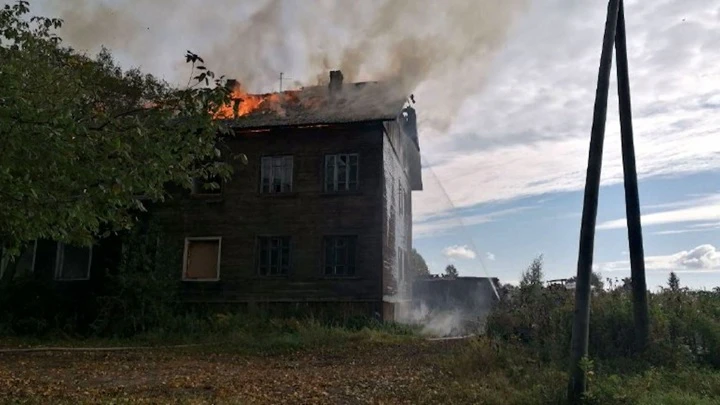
(332, 104)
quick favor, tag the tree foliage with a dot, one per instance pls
(419, 267)
(673, 282)
(596, 281)
(451, 271)
(533, 276)
(85, 143)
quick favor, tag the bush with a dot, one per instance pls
(142, 294)
(684, 326)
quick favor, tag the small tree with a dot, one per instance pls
(673, 282)
(451, 271)
(533, 276)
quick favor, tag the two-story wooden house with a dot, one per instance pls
(320, 214)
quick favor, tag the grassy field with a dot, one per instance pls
(328, 366)
(231, 357)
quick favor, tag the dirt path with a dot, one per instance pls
(355, 374)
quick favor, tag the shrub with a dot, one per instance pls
(684, 326)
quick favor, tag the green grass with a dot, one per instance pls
(236, 333)
(485, 371)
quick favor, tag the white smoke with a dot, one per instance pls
(440, 50)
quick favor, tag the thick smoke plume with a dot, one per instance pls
(440, 50)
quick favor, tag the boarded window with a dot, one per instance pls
(25, 262)
(73, 262)
(340, 253)
(276, 174)
(273, 255)
(202, 259)
(341, 172)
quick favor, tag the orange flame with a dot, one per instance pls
(243, 103)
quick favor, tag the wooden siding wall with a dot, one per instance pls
(398, 152)
(307, 214)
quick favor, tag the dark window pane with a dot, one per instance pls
(274, 255)
(74, 262)
(329, 173)
(341, 174)
(287, 174)
(340, 255)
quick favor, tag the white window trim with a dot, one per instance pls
(185, 254)
(59, 263)
(291, 180)
(4, 262)
(336, 188)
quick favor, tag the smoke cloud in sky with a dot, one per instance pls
(438, 50)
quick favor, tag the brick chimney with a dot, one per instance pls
(336, 81)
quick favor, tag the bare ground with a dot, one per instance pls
(357, 373)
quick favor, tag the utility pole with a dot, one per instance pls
(614, 32)
(581, 319)
(632, 198)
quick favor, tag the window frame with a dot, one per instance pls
(334, 238)
(336, 185)
(60, 254)
(272, 158)
(190, 239)
(4, 262)
(258, 255)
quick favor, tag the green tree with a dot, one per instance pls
(451, 271)
(419, 267)
(533, 276)
(673, 282)
(85, 144)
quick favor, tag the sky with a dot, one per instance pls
(504, 96)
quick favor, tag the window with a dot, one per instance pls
(25, 262)
(276, 174)
(72, 262)
(201, 260)
(341, 172)
(273, 255)
(340, 255)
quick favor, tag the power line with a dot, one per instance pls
(462, 224)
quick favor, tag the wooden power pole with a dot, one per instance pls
(614, 35)
(632, 197)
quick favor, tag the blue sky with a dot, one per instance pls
(505, 93)
(550, 224)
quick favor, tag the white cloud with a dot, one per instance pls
(702, 259)
(705, 209)
(490, 256)
(527, 132)
(459, 252)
